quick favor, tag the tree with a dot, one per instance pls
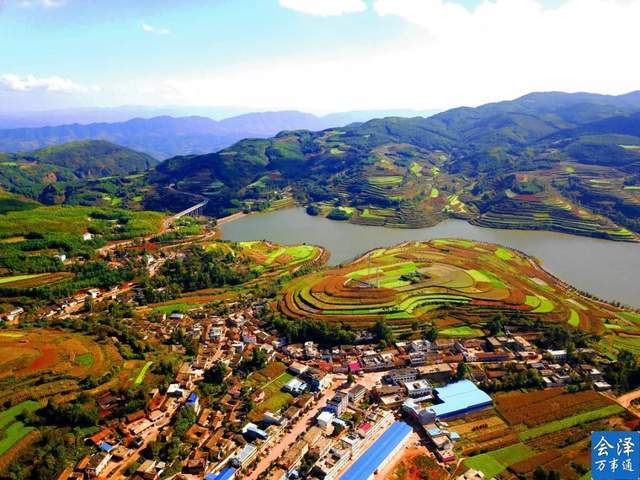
(350, 378)
(462, 371)
(383, 332)
(495, 325)
(431, 334)
(313, 210)
(216, 374)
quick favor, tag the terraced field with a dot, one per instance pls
(467, 281)
(41, 363)
(272, 258)
(549, 212)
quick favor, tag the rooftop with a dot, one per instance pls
(370, 460)
(459, 396)
(225, 474)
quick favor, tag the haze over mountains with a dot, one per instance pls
(165, 135)
(555, 161)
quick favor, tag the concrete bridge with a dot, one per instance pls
(193, 211)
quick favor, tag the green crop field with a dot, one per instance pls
(496, 462)
(17, 278)
(413, 280)
(174, 308)
(574, 319)
(385, 180)
(275, 399)
(85, 360)
(504, 254)
(630, 316)
(12, 435)
(464, 331)
(8, 416)
(140, 378)
(77, 220)
(571, 421)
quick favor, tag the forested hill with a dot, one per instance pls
(27, 173)
(419, 170)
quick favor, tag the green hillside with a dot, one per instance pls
(462, 163)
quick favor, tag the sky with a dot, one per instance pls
(318, 56)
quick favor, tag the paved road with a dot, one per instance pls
(281, 444)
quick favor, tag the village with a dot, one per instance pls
(312, 412)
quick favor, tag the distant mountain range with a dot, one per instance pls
(557, 161)
(166, 136)
(553, 161)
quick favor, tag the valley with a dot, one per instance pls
(454, 294)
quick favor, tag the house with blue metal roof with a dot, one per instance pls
(460, 398)
(455, 399)
(379, 453)
(226, 474)
(193, 402)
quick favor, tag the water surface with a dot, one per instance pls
(610, 270)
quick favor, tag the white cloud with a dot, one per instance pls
(42, 3)
(30, 83)
(446, 56)
(325, 8)
(151, 29)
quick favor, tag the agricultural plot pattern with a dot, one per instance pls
(549, 210)
(272, 258)
(44, 362)
(412, 281)
(266, 260)
(399, 186)
(547, 429)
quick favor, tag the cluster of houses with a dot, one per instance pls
(417, 382)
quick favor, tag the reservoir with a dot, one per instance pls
(607, 269)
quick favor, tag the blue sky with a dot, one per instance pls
(314, 55)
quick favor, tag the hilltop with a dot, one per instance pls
(38, 173)
(557, 161)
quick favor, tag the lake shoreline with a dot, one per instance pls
(604, 268)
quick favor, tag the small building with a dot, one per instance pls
(356, 393)
(150, 470)
(13, 315)
(402, 375)
(293, 456)
(245, 456)
(193, 402)
(557, 355)
(601, 386)
(216, 334)
(471, 474)
(298, 368)
(271, 418)
(252, 432)
(325, 420)
(97, 463)
(338, 404)
(226, 474)
(175, 390)
(295, 387)
(418, 388)
(440, 372)
(87, 236)
(318, 380)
